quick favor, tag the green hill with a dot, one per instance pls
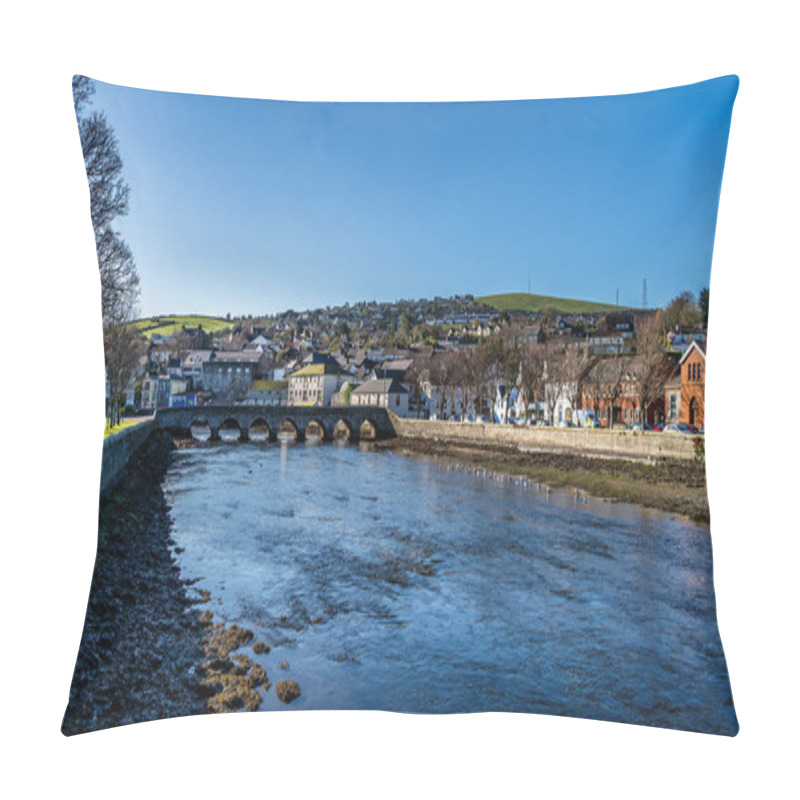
(167, 324)
(538, 302)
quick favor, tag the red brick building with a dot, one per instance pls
(693, 386)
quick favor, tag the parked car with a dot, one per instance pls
(677, 427)
(637, 426)
(659, 427)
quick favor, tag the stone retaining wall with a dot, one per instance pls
(117, 451)
(598, 442)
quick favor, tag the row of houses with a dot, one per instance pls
(608, 394)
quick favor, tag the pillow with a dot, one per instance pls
(405, 407)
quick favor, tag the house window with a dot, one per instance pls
(699, 372)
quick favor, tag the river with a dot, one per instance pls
(387, 582)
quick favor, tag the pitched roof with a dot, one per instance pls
(197, 356)
(237, 355)
(381, 386)
(693, 346)
(268, 386)
(318, 369)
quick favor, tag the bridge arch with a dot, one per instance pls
(231, 430)
(368, 431)
(343, 430)
(316, 430)
(259, 430)
(288, 430)
(200, 430)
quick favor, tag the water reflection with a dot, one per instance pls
(201, 433)
(394, 583)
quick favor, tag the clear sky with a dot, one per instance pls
(256, 206)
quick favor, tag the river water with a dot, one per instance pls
(396, 583)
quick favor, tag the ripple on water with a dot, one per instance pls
(396, 583)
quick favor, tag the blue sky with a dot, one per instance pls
(256, 206)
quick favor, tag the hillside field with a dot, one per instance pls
(167, 324)
(539, 302)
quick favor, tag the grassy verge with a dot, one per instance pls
(126, 423)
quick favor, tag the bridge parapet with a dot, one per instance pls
(348, 418)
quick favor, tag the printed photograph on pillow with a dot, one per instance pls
(405, 407)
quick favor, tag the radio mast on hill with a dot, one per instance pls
(644, 293)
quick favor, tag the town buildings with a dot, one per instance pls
(340, 356)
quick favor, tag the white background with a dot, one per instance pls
(52, 385)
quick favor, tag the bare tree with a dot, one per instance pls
(652, 367)
(531, 374)
(501, 359)
(592, 389)
(123, 348)
(479, 369)
(119, 280)
(454, 367)
(416, 376)
(616, 371)
(574, 366)
(462, 378)
(553, 379)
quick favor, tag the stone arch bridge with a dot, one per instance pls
(264, 422)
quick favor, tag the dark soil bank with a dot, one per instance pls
(674, 486)
(142, 637)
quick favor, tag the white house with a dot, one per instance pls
(315, 384)
(384, 392)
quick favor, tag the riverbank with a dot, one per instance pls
(142, 636)
(677, 487)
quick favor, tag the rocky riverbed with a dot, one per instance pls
(151, 649)
(142, 637)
